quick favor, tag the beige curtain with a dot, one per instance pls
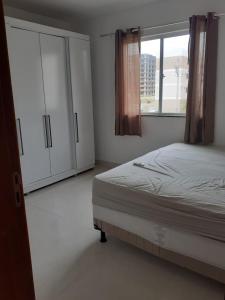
(127, 82)
(202, 79)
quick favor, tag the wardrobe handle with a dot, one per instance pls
(77, 129)
(45, 131)
(49, 131)
(20, 138)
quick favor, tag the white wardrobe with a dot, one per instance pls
(51, 81)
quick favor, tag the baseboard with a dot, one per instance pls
(107, 164)
(86, 169)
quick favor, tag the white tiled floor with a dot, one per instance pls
(69, 263)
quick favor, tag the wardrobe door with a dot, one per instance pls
(80, 65)
(54, 65)
(27, 84)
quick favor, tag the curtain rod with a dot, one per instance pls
(159, 26)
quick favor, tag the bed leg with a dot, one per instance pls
(103, 238)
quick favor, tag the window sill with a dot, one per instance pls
(163, 115)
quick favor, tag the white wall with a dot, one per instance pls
(158, 131)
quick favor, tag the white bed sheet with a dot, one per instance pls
(201, 248)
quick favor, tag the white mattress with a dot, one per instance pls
(180, 185)
(201, 248)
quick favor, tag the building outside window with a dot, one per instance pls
(148, 73)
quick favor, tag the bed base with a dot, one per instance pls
(189, 263)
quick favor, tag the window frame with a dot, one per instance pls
(161, 37)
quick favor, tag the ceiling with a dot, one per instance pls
(80, 8)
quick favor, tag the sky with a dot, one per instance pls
(173, 46)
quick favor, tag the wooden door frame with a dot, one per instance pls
(16, 280)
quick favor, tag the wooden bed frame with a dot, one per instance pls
(189, 263)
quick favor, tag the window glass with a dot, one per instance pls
(175, 74)
(168, 95)
(149, 81)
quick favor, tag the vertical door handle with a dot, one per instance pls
(49, 131)
(77, 129)
(45, 131)
(20, 138)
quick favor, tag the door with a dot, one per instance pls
(27, 83)
(80, 65)
(15, 263)
(54, 64)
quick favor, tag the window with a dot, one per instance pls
(164, 74)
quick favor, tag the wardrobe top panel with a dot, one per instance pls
(18, 23)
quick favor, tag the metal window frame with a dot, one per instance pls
(162, 37)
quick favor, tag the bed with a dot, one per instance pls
(169, 202)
